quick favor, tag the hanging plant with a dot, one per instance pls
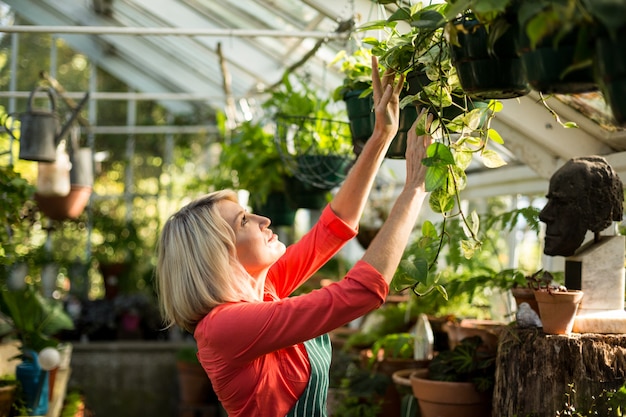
(312, 137)
(461, 128)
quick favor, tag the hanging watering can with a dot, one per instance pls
(41, 131)
(34, 381)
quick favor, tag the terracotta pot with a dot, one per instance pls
(448, 399)
(392, 400)
(7, 396)
(66, 207)
(525, 295)
(488, 330)
(558, 310)
(366, 235)
(194, 384)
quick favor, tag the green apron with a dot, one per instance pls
(312, 402)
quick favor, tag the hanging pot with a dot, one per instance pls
(34, 381)
(303, 195)
(547, 66)
(80, 178)
(397, 149)
(40, 129)
(53, 178)
(361, 117)
(322, 171)
(484, 75)
(276, 208)
(611, 73)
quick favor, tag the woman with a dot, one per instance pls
(225, 277)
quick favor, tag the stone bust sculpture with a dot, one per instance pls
(584, 194)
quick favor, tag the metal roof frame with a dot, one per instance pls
(170, 48)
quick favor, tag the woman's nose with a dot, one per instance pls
(263, 221)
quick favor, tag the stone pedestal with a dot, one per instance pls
(535, 372)
(597, 269)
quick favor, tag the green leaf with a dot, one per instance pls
(493, 135)
(441, 201)
(495, 106)
(492, 159)
(469, 247)
(435, 177)
(429, 229)
(439, 153)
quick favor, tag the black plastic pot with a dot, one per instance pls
(303, 195)
(610, 67)
(277, 209)
(548, 66)
(361, 117)
(484, 75)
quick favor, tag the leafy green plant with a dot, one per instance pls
(306, 122)
(463, 135)
(246, 151)
(494, 16)
(608, 15)
(187, 354)
(18, 214)
(465, 272)
(469, 361)
(361, 393)
(401, 51)
(392, 346)
(606, 403)
(33, 319)
(116, 239)
(393, 318)
(357, 70)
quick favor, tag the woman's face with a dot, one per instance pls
(257, 246)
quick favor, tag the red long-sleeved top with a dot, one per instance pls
(253, 352)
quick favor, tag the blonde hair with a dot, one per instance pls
(197, 266)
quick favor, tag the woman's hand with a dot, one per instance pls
(385, 251)
(386, 94)
(416, 151)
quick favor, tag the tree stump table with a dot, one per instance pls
(538, 374)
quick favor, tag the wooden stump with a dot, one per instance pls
(536, 372)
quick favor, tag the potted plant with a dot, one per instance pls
(422, 54)
(457, 382)
(392, 353)
(118, 247)
(313, 140)
(18, 212)
(247, 151)
(463, 125)
(483, 38)
(609, 62)
(195, 387)
(72, 205)
(9, 388)
(555, 44)
(34, 321)
(356, 92)
(557, 305)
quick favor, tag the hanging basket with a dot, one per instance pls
(317, 151)
(548, 66)
(484, 75)
(611, 73)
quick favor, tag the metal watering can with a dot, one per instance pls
(34, 382)
(41, 130)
